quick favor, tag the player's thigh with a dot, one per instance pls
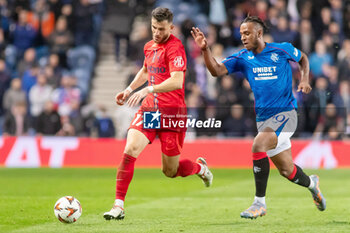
(265, 140)
(135, 143)
(284, 162)
(171, 144)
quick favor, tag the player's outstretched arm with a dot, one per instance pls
(304, 68)
(139, 80)
(175, 82)
(213, 66)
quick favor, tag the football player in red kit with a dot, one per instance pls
(164, 68)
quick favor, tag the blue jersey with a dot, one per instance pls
(270, 77)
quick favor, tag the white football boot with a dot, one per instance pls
(116, 213)
(207, 176)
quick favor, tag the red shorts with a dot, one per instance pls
(171, 141)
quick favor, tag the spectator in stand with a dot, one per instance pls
(14, 95)
(337, 12)
(49, 122)
(67, 12)
(322, 25)
(27, 62)
(136, 46)
(344, 93)
(316, 103)
(282, 33)
(39, 94)
(16, 122)
(5, 80)
(261, 9)
(57, 71)
(29, 78)
(61, 39)
(330, 125)
(42, 19)
(17, 6)
(120, 12)
(237, 124)
(76, 119)
(22, 36)
(319, 58)
(344, 61)
(305, 39)
(3, 43)
(83, 22)
(55, 6)
(104, 124)
(67, 128)
(66, 95)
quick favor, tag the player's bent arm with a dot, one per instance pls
(216, 69)
(140, 78)
(175, 82)
(304, 67)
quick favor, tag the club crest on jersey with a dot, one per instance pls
(274, 57)
(179, 61)
(295, 52)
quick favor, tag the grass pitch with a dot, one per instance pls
(159, 204)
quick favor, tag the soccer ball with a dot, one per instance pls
(67, 209)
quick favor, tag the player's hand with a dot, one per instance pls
(199, 38)
(121, 97)
(304, 87)
(137, 97)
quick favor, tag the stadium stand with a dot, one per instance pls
(79, 41)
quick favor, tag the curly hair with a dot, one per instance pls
(256, 20)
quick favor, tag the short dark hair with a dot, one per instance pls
(256, 20)
(162, 13)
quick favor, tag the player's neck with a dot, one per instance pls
(260, 47)
(164, 41)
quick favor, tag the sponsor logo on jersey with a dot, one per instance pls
(151, 120)
(274, 57)
(179, 62)
(251, 57)
(156, 70)
(265, 73)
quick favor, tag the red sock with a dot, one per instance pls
(124, 175)
(187, 168)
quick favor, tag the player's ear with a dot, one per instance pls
(260, 32)
(172, 26)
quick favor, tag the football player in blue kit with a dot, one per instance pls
(266, 67)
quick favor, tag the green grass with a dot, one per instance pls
(159, 204)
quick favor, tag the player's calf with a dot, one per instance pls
(169, 172)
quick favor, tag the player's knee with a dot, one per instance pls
(132, 150)
(264, 142)
(171, 173)
(285, 172)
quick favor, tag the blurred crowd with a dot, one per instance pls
(48, 50)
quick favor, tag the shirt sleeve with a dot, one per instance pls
(176, 58)
(293, 53)
(232, 63)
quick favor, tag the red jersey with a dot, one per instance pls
(160, 61)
